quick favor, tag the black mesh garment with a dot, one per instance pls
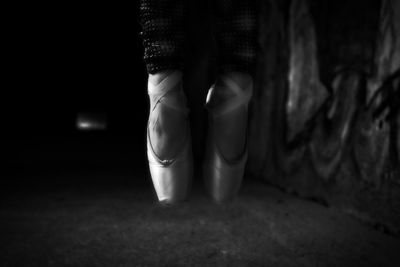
(162, 32)
(235, 33)
(163, 24)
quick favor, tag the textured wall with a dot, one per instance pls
(325, 118)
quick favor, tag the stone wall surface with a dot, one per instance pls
(325, 119)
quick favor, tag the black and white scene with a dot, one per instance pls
(200, 133)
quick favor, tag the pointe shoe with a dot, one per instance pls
(223, 177)
(171, 177)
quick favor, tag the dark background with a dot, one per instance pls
(72, 57)
(66, 58)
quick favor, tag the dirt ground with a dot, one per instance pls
(119, 224)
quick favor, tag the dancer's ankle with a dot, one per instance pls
(167, 126)
(222, 93)
(231, 127)
(158, 77)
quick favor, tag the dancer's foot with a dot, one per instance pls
(168, 141)
(226, 151)
(231, 127)
(167, 126)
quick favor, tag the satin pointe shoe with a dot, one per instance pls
(171, 177)
(222, 177)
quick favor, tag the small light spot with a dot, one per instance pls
(84, 125)
(91, 121)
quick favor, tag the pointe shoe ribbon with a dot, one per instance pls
(242, 97)
(159, 91)
(222, 177)
(171, 177)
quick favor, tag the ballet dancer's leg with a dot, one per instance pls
(228, 98)
(168, 139)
